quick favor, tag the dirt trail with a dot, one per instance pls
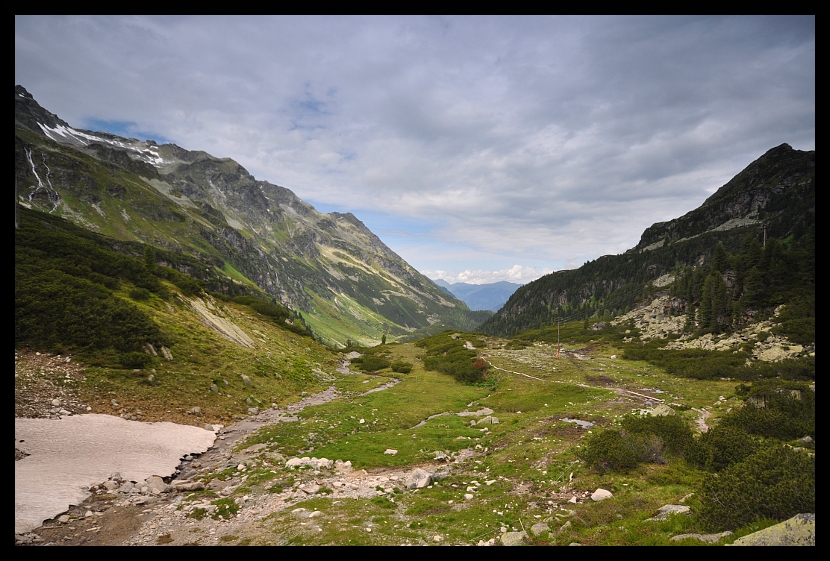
(616, 389)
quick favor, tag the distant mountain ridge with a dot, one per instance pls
(343, 279)
(491, 296)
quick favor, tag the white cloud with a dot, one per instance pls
(516, 274)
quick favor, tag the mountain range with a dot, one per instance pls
(250, 236)
(491, 296)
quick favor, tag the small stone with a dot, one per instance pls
(437, 538)
(390, 452)
(63, 519)
(246, 380)
(468, 496)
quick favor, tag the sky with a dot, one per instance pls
(478, 148)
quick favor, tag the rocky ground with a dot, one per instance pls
(166, 510)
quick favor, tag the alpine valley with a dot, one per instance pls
(662, 396)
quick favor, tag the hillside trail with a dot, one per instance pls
(646, 398)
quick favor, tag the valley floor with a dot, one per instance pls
(423, 461)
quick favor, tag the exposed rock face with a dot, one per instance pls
(778, 170)
(798, 530)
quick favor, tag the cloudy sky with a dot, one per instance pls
(478, 148)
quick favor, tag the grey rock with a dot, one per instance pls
(208, 427)
(539, 528)
(798, 530)
(417, 479)
(513, 538)
(179, 485)
(214, 388)
(601, 495)
(246, 380)
(709, 538)
(665, 511)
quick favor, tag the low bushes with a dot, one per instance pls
(776, 482)
(642, 439)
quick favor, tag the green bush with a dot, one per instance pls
(134, 359)
(401, 367)
(610, 450)
(776, 482)
(720, 447)
(374, 363)
(139, 294)
(775, 409)
(673, 430)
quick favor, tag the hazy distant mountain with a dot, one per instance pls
(330, 267)
(480, 296)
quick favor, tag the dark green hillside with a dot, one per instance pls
(773, 198)
(70, 285)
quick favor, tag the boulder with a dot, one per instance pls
(539, 528)
(513, 538)
(417, 479)
(665, 511)
(798, 530)
(601, 495)
(662, 410)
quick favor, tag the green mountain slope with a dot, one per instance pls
(345, 281)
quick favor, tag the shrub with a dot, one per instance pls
(402, 367)
(673, 430)
(374, 363)
(776, 482)
(610, 450)
(139, 294)
(775, 409)
(134, 359)
(720, 447)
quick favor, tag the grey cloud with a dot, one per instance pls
(507, 130)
